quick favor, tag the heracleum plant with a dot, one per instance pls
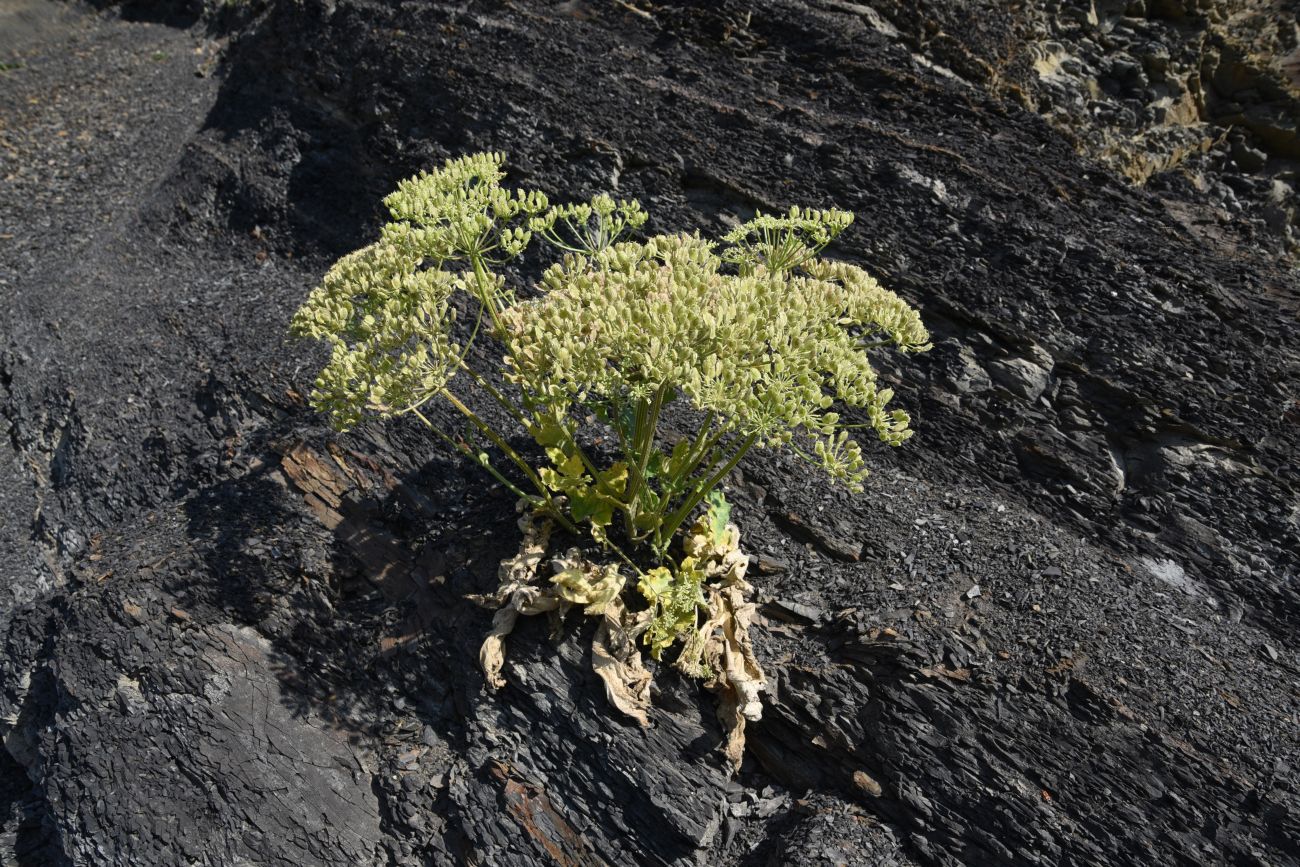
(757, 333)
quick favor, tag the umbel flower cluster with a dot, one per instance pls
(767, 342)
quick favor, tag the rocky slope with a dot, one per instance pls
(1197, 100)
(1059, 628)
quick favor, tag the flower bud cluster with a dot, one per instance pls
(384, 309)
(784, 243)
(767, 351)
(589, 227)
(387, 322)
(461, 210)
(762, 335)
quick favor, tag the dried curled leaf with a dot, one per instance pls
(617, 662)
(515, 595)
(614, 655)
(525, 600)
(519, 570)
(716, 545)
(740, 679)
(721, 649)
(581, 582)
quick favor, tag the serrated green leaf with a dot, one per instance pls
(615, 477)
(590, 506)
(572, 467)
(548, 433)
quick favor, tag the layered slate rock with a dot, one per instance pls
(1059, 626)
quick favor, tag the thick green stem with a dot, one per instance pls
(634, 459)
(486, 295)
(695, 460)
(701, 450)
(634, 478)
(644, 439)
(674, 521)
(704, 431)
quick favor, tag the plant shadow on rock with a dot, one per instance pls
(320, 146)
(303, 587)
(309, 592)
(371, 635)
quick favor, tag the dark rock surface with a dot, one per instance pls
(1196, 99)
(1058, 628)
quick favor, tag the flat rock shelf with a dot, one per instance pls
(1058, 628)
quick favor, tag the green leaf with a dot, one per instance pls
(627, 419)
(719, 515)
(655, 584)
(572, 467)
(586, 504)
(548, 432)
(654, 465)
(615, 478)
(675, 598)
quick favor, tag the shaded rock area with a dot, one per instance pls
(1058, 628)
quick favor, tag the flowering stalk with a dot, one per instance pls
(759, 334)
